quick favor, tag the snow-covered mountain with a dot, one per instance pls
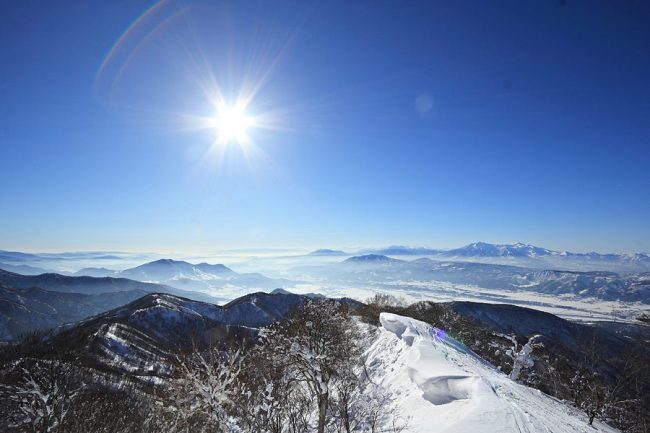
(421, 375)
(476, 249)
(437, 381)
(527, 255)
(482, 249)
(138, 338)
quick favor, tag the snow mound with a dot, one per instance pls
(440, 385)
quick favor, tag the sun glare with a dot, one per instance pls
(231, 123)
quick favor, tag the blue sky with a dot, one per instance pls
(422, 123)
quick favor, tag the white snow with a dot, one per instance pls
(441, 386)
(523, 358)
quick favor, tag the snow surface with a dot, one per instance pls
(442, 386)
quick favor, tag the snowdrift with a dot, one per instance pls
(442, 386)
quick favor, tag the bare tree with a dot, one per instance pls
(588, 391)
(628, 396)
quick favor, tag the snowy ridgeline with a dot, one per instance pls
(442, 386)
(323, 370)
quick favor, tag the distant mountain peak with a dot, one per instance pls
(163, 269)
(280, 291)
(484, 249)
(371, 258)
(404, 250)
(327, 252)
(218, 267)
(166, 262)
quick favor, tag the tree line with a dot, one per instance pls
(305, 373)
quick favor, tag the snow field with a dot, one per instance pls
(441, 386)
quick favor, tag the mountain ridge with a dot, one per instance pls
(88, 285)
(485, 249)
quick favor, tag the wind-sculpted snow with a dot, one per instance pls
(443, 386)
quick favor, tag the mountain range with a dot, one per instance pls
(35, 302)
(138, 338)
(100, 264)
(24, 269)
(427, 372)
(526, 255)
(203, 277)
(384, 271)
(33, 309)
(484, 249)
(80, 284)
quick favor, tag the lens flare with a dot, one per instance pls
(231, 123)
(233, 114)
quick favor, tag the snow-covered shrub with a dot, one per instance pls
(313, 348)
(36, 395)
(200, 396)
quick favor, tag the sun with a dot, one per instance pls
(231, 123)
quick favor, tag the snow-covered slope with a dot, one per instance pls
(482, 249)
(138, 338)
(542, 258)
(444, 387)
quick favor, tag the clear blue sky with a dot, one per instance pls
(424, 123)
